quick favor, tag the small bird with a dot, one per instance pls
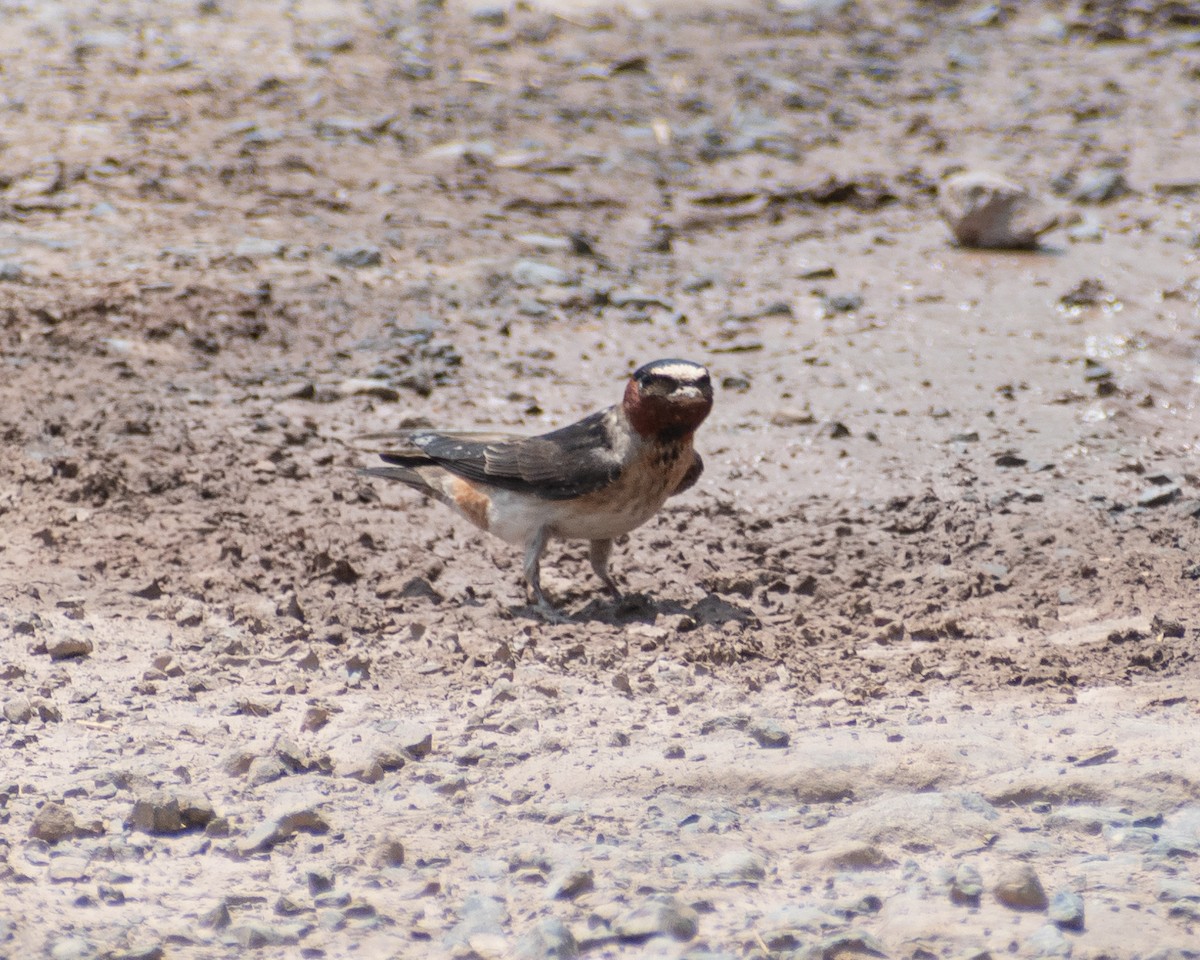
(594, 480)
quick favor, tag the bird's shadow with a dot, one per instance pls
(644, 608)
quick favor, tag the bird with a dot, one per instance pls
(595, 480)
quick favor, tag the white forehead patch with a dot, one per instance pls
(683, 372)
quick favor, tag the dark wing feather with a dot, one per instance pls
(692, 475)
(561, 465)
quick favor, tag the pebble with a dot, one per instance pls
(389, 852)
(171, 810)
(1159, 496)
(852, 943)
(54, 822)
(1019, 888)
(659, 916)
(1066, 910)
(265, 770)
(570, 883)
(368, 387)
(740, 867)
(1099, 186)
(71, 948)
(987, 211)
(256, 247)
(65, 648)
(1048, 941)
(281, 826)
(18, 710)
(254, 934)
(149, 951)
(478, 916)
(10, 272)
(358, 257)
(967, 886)
(551, 939)
(68, 869)
(534, 273)
(769, 735)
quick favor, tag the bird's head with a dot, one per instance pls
(668, 399)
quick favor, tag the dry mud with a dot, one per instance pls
(929, 619)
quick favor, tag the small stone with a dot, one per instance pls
(967, 886)
(1159, 496)
(68, 869)
(496, 16)
(987, 211)
(534, 273)
(368, 387)
(1048, 941)
(281, 826)
(858, 856)
(10, 272)
(388, 853)
(1020, 889)
(319, 880)
(54, 822)
(570, 883)
(478, 915)
(257, 247)
(265, 770)
(660, 916)
(171, 810)
(18, 710)
(1099, 186)
(217, 918)
(769, 735)
(853, 943)
(1066, 910)
(71, 948)
(740, 867)
(65, 648)
(254, 934)
(357, 258)
(551, 939)
(150, 951)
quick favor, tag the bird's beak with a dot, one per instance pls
(689, 393)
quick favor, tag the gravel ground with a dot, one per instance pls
(910, 673)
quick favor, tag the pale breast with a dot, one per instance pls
(652, 475)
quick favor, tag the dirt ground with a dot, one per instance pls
(928, 622)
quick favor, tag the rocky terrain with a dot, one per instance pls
(910, 673)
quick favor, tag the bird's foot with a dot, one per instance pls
(550, 614)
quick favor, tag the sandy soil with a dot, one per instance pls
(928, 621)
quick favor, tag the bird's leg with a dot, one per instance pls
(533, 574)
(598, 554)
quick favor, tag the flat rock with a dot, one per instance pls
(67, 648)
(282, 825)
(740, 867)
(659, 916)
(171, 810)
(987, 211)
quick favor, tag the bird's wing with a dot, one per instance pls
(692, 475)
(576, 460)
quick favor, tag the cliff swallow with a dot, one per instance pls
(594, 480)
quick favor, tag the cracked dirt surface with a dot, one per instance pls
(933, 603)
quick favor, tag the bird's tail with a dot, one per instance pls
(405, 474)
